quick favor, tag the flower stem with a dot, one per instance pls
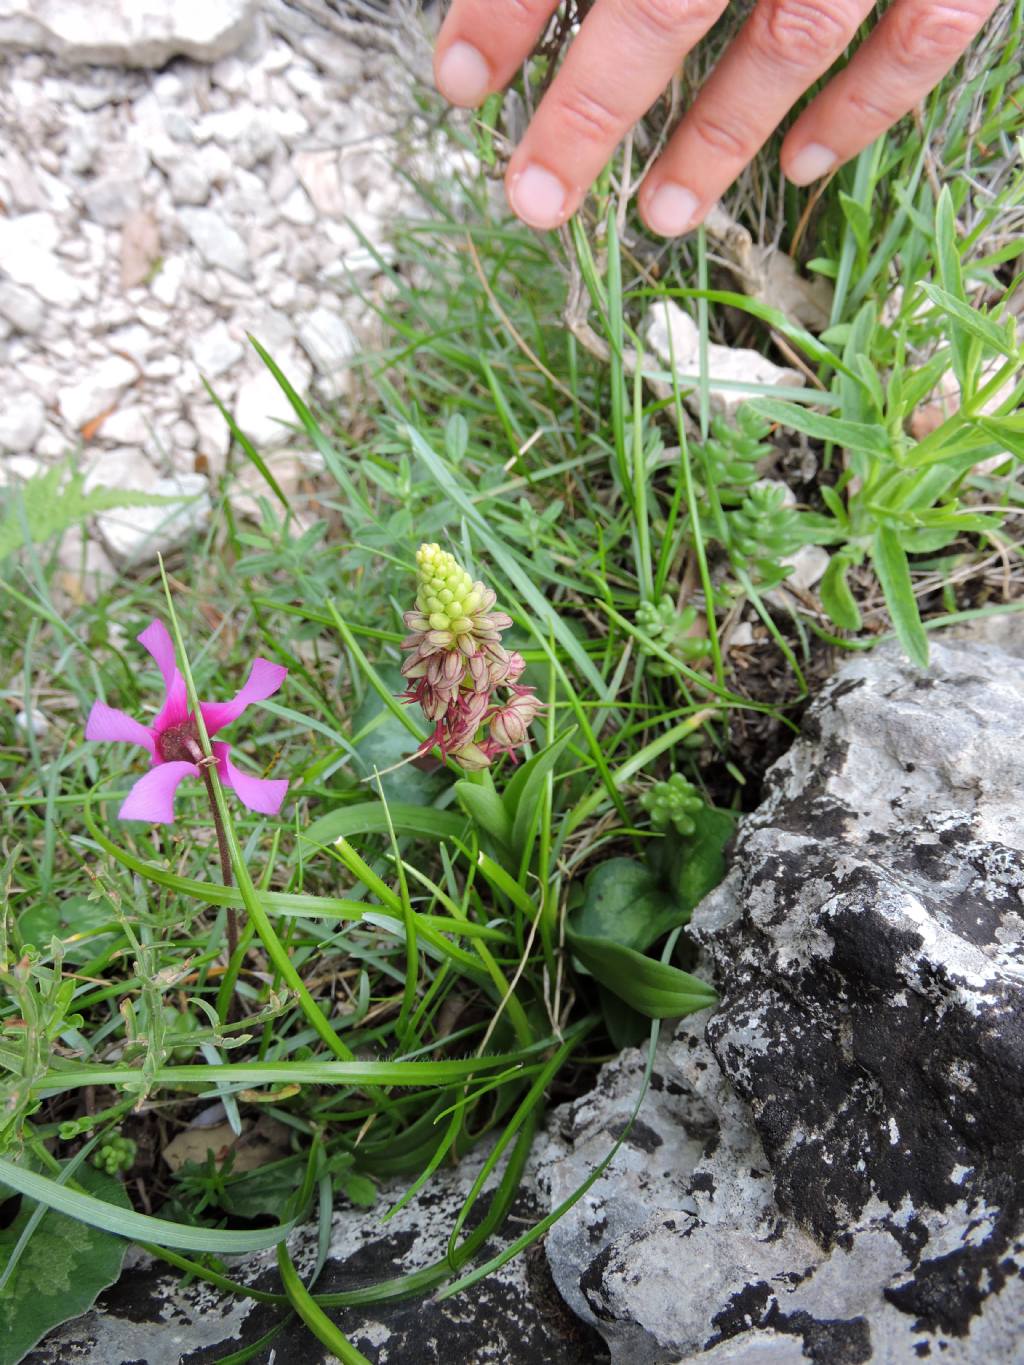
(225, 861)
(205, 766)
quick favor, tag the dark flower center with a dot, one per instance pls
(180, 743)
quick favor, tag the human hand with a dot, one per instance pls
(627, 51)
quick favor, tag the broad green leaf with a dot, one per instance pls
(60, 1272)
(524, 789)
(656, 989)
(836, 597)
(700, 858)
(368, 817)
(890, 561)
(87, 926)
(486, 808)
(624, 903)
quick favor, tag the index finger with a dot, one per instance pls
(482, 43)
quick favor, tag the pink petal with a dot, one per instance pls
(263, 681)
(258, 793)
(152, 797)
(107, 723)
(175, 708)
(157, 640)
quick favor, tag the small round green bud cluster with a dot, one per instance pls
(447, 595)
(762, 530)
(115, 1153)
(674, 802)
(671, 628)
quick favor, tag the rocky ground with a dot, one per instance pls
(156, 207)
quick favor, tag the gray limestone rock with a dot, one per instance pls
(859, 1197)
(123, 32)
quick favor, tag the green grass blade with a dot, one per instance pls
(139, 1227)
(313, 1315)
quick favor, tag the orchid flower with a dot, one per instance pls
(457, 663)
(172, 741)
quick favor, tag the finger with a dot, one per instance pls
(483, 42)
(625, 54)
(783, 47)
(913, 47)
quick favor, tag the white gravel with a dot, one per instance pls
(154, 217)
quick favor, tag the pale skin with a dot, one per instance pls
(627, 52)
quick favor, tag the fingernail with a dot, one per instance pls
(810, 163)
(463, 76)
(538, 197)
(671, 209)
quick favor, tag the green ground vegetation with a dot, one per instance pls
(428, 955)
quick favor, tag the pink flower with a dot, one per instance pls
(172, 741)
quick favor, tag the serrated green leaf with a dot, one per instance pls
(836, 597)
(61, 1271)
(52, 502)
